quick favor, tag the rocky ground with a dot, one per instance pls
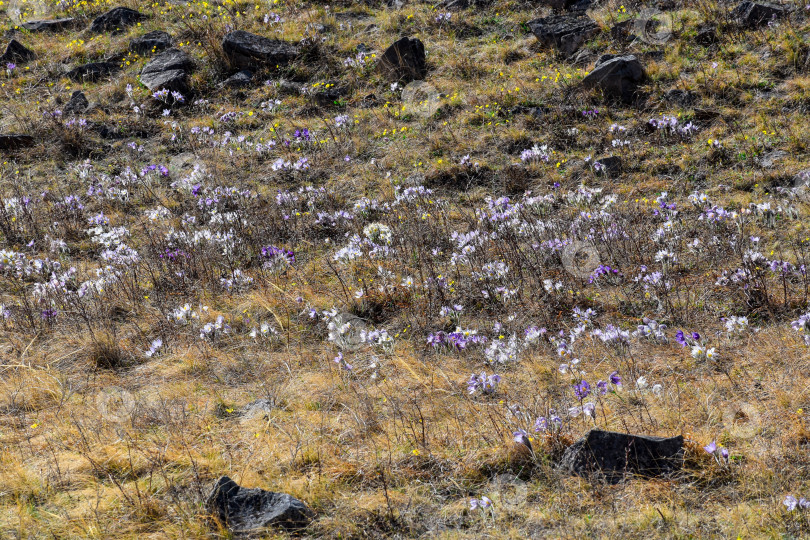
(478, 268)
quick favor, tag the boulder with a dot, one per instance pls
(17, 53)
(404, 60)
(49, 25)
(566, 33)
(618, 77)
(77, 104)
(250, 51)
(169, 70)
(244, 510)
(612, 456)
(150, 43)
(754, 14)
(116, 20)
(92, 72)
(15, 142)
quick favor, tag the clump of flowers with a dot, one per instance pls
(378, 233)
(276, 259)
(483, 383)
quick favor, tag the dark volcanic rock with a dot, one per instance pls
(404, 60)
(250, 51)
(92, 72)
(150, 42)
(15, 142)
(49, 25)
(617, 76)
(17, 52)
(116, 19)
(238, 80)
(169, 70)
(613, 456)
(566, 33)
(608, 166)
(568, 5)
(78, 103)
(753, 14)
(251, 509)
(706, 35)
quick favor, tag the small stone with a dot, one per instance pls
(49, 25)
(151, 42)
(404, 60)
(616, 76)
(250, 51)
(168, 70)
(17, 53)
(754, 14)
(15, 142)
(92, 72)
(77, 104)
(770, 159)
(566, 33)
(245, 510)
(116, 19)
(238, 80)
(612, 456)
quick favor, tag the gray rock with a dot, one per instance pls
(684, 98)
(92, 72)
(754, 14)
(238, 80)
(404, 60)
(616, 76)
(566, 33)
(17, 53)
(168, 70)
(770, 159)
(250, 51)
(150, 42)
(612, 456)
(15, 142)
(77, 104)
(116, 20)
(49, 25)
(244, 510)
(802, 178)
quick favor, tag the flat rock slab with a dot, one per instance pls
(251, 51)
(566, 33)
(617, 77)
(244, 510)
(17, 53)
(754, 14)
(612, 456)
(151, 42)
(116, 20)
(404, 60)
(92, 72)
(49, 25)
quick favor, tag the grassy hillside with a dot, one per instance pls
(292, 281)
